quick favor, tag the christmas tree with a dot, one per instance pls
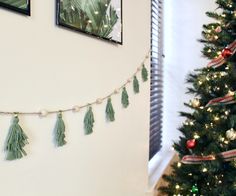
(207, 145)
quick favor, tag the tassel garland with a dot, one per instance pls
(89, 121)
(60, 131)
(16, 140)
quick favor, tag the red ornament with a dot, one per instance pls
(190, 144)
(226, 53)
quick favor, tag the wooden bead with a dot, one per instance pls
(43, 113)
(76, 108)
(99, 101)
(116, 91)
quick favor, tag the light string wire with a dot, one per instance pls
(77, 108)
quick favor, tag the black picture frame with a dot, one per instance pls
(70, 27)
(26, 11)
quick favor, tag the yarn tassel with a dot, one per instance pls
(136, 85)
(144, 73)
(89, 121)
(125, 98)
(60, 131)
(110, 113)
(16, 140)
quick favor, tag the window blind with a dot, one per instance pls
(156, 78)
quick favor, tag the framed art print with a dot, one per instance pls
(22, 6)
(99, 18)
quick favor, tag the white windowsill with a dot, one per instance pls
(157, 166)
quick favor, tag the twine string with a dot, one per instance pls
(38, 113)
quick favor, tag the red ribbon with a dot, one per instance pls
(227, 99)
(195, 159)
(220, 60)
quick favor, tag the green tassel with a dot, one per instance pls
(60, 131)
(125, 98)
(144, 73)
(135, 85)
(16, 140)
(110, 113)
(89, 121)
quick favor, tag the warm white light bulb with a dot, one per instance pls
(179, 164)
(196, 136)
(177, 186)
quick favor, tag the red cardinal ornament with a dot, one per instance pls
(226, 53)
(190, 144)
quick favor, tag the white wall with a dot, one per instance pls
(183, 22)
(43, 66)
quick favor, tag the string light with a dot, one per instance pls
(226, 142)
(222, 139)
(223, 73)
(200, 82)
(209, 109)
(177, 186)
(196, 136)
(191, 123)
(230, 92)
(195, 103)
(179, 164)
(224, 117)
(204, 170)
